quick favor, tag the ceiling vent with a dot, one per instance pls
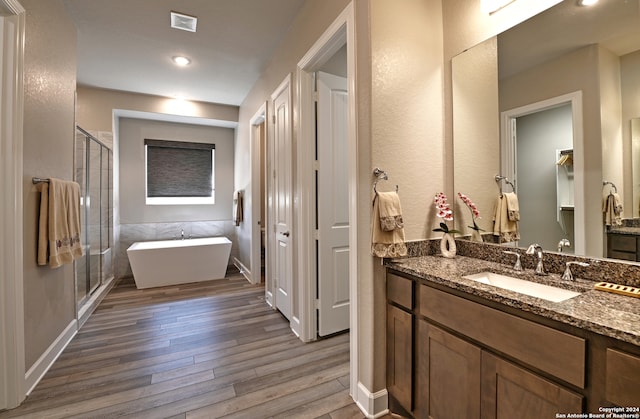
(183, 22)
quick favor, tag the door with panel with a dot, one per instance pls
(282, 172)
(332, 203)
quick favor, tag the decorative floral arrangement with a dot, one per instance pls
(445, 212)
(475, 214)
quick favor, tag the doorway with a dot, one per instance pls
(545, 177)
(566, 181)
(338, 36)
(258, 149)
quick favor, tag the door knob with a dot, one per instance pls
(286, 234)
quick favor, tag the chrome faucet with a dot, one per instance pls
(516, 266)
(567, 275)
(537, 249)
(563, 243)
(182, 234)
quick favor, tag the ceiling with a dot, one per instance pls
(128, 45)
(566, 27)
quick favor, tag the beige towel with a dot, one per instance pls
(239, 210)
(507, 230)
(59, 223)
(390, 211)
(513, 207)
(385, 244)
(612, 209)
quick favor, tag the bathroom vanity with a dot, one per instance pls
(623, 242)
(458, 348)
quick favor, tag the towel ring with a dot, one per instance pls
(380, 175)
(499, 178)
(613, 186)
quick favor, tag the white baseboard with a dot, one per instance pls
(243, 269)
(373, 405)
(46, 360)
(295, 325)
(268, 297)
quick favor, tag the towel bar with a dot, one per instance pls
(37, 180)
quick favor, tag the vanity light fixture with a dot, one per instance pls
(181, 61)
(491, 6)
(588, 2)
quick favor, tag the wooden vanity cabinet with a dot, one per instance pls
(623, 246)
(518, 393)
(449, 373)
(464, 354)
(400, 343)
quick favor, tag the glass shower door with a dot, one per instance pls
(81, 177)
(94, 174)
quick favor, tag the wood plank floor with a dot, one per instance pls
(207, 350)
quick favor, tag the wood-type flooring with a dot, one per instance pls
(213, 349)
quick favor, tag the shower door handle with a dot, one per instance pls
(286, 234)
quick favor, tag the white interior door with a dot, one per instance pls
(283, 268)
(332, 204)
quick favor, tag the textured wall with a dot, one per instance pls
(50, 78)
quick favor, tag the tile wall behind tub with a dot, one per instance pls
(127, 234)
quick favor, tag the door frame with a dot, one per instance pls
(339, 33)
(257, 178)
(12, 350)
(508, 152)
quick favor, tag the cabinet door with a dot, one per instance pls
(449, 375)
(509, 391)
(400, 356)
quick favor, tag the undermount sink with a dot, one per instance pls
(522, 286)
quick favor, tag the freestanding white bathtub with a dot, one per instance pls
(170, 262)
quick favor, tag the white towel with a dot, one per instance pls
(385, 244)
(390, 211)
(612, 209)
(59, 223)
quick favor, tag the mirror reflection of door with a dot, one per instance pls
(544, 175)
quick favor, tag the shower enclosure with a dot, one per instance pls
(94, 173)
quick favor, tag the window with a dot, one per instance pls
(179, 173)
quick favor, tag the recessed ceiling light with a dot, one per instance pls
(588, 2)
(181, 61)
(184, 22)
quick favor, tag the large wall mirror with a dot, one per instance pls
(549, 104)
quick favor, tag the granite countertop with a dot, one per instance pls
(605, 313)
(634, 231)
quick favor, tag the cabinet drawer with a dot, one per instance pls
(557, 353)
(622, 378)
(622, 243)
(400, 291)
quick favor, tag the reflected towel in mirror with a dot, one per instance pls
(612, 209)
(513, 207)
(505, 228)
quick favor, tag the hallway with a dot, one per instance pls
(209, 350)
